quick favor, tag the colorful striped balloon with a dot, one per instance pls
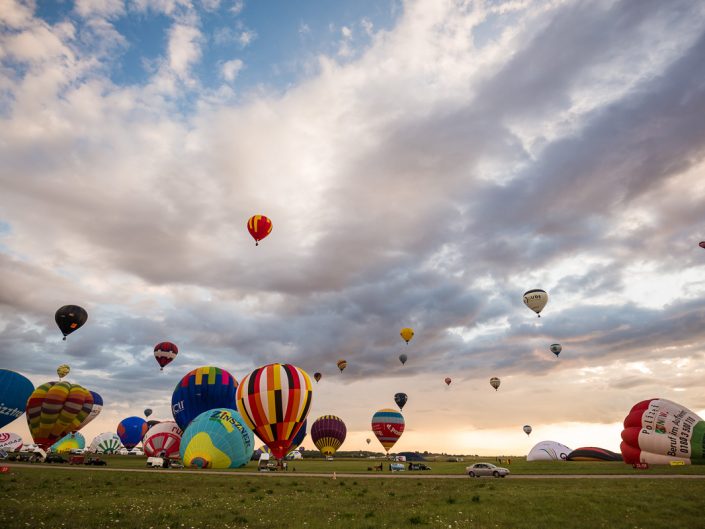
(55, 409)
(388, 425)
(164, 437)
(106, 443)
(274, 400)
(259, 227)
(328, 433)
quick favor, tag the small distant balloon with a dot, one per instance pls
(448, 381)
(556, 348)
(407, 333)
(63, 370)
(368, 440)
(403, 358)
(495, 382)
(536, 300)
(527, 429)
(164, 353)
(400, 399)
(70, 318)
(259, 227)
(147, 412)
(702, 244)
(317, 376)
(342, 364)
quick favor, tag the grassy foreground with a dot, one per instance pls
(39, 497)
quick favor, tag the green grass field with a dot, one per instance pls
(36, 496)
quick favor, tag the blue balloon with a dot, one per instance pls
(15, 390)
(97, 399)
(217, 438)
(299, 438)
(131, 431)
(203, 389)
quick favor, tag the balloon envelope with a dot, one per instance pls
(548, 451)
(400, 399)
(702, 244)
(217, 438)
(328, 433)
(202, 389)
(448, 381)
(15, 389)
(527, 429)
(9, 442)
(70, 318)
(259, 227)
(536, 300)
(407, 333)
(403, 358)
(164, 439)
(63, 370)
(556, 348)
(106, 443)
(317, 376)
(147, 412)
(388, 425)
(164, 353)
(95, 410)
(274, 400)
(658, 431)
(68, 442)
(342, 364)
(495, 382)
(592, 453)
(131, 431)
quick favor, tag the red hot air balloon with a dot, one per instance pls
(448, 381)
(259, 227)
(165, 352)
(702, 244)
(388, 425)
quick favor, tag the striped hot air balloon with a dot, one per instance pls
(328, 433)
(259, 227)
(342, 364)
(164, 437)
(388, 425)
(164, 353)
(106, 443)
(274, 400)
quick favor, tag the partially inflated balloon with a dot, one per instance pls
(403, 358)
(495, 382)
(556, 348)
(407, 333)
(448, 381)
(71, 441)
(217, 438)
(342, 364)
(131, 431)
(400, 399)
(9, 442)
(388, 425)
(164, 353)
(106, 443)
(259, 227)
(317, 376)
(527, 429)
(55, 409)
(536, 300)
(163, 440)
(328, 433)
(70, 318)
(274, 400)
(202, 389)
(63, 370)
(548, 451)
(659, 431)
(15, 389)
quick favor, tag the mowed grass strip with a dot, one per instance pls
(38, 497)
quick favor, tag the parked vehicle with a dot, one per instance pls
(486, 469)
(55, 458)
(396, 467)
(155, 462)
(96, 461)
(77, 460)
(418, 466)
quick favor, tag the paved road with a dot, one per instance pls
(395, 475)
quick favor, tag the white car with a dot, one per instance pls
(486, 469)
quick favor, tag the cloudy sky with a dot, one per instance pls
(424, 163)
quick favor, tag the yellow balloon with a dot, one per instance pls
(407, 333)
(62, 370)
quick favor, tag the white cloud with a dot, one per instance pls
(237, 6)
(304, 29)
(15, 14)
(230, 69)
(246, 37)
(100, 8)
(184, 49)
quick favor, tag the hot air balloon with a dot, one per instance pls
(131, 430)
(95, 409)
(702, 244)
(164, 353)
(70, 441)
(328, 433)
(448, 381)
(63, 370)
(495, 382)
(556, 348)
(407, 333)
(15, 389)
(527, 429)
(403, 358)
(217, 438)
(274, 400)
(368, 440)
(55, 409)
(259, 227)
(400, 399)
(388, 425)
(147, 412)
(536, 300)
(342, 364)
(658, 431)
(317, 376)
(163, 440)
(593, 453)
(10, 442)
(202, 389)
(70, 318)
(299, 438)
(548, 451)
(106, 443)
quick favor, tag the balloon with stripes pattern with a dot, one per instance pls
(328, 433)
(274, 400)
(388, 425)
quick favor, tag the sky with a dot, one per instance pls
(424, 163)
